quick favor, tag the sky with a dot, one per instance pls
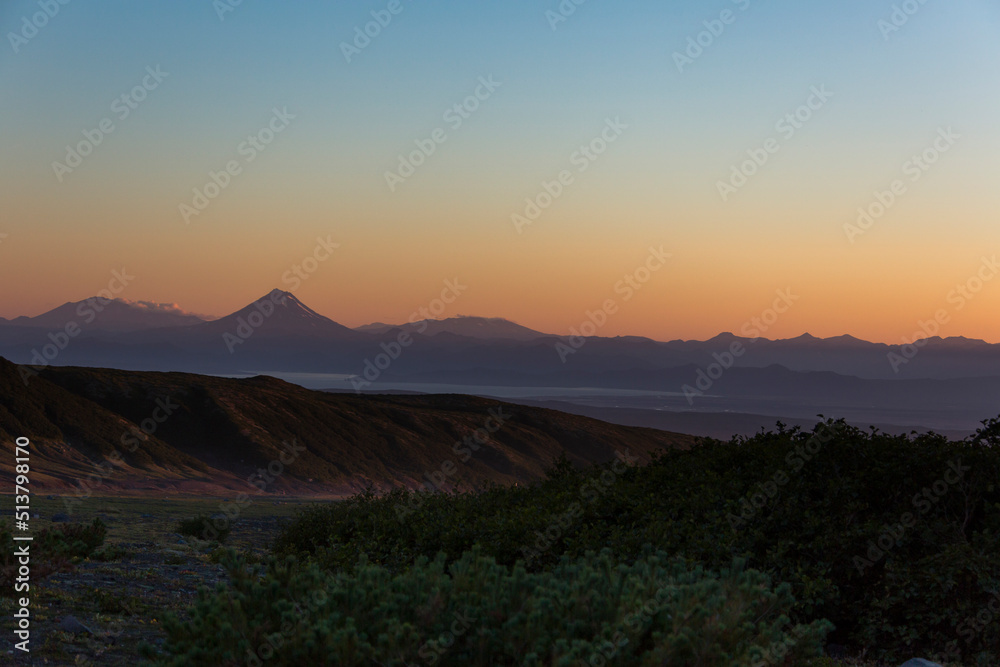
(743, 138)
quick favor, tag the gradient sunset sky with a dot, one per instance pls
(893, 95)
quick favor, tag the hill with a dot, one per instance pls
(179, 432)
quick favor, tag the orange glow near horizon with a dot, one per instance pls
(548, 286)
(655, 185)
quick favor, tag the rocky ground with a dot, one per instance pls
(100, 612)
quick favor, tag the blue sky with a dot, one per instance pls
(606, 60)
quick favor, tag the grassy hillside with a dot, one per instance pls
(202, 434)
(74, 437)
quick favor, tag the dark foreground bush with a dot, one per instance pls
(205, 528)
(54, 549)
(71, 540)
(475, 612)
(895, 539)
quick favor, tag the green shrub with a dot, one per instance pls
(71, 540)
(54, 549)
(477, 612)
(806, 507)
(109, 552)
(108, 602)
(205, 528)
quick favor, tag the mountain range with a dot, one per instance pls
(110, 315)
(486, 328)
(949, 384)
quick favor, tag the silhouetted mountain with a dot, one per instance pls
(209, 434)
(279, 314)
(279, 332)
(722, 425)
(943, 383)
(470, 327)
(117, 315)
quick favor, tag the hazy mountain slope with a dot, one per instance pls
(470, 327)
(721, 425)
(221, 431)
(279, 333)
(69, 434)
(118, 315)
(278, 314)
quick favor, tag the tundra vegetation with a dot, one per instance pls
(763, 551)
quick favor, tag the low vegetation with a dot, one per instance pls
(474, 611)
(894, 541)
(54, 549)
(205, 528)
